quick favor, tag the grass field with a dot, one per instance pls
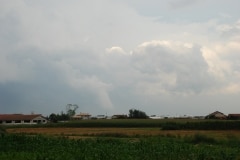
(122, 139)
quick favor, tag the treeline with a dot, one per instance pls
(59, 117)
(133, 114)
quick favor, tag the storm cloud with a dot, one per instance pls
(110, 56)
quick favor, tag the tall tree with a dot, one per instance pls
(71, 109)
(53, 118)
(134, 113)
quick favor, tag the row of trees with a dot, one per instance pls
(71, 111)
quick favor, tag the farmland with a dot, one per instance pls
(79, 133)
(121, 139)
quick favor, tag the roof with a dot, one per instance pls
(9, 117)
(216, 112)
(83, 114)
(235, 115)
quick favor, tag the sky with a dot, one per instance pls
(163, 57)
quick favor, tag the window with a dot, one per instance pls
(26, 121)
(17, 121)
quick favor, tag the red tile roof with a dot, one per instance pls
(9, 117)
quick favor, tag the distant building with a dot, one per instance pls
(198, 117)
(22, 119)
(101, 117)
(155, 117)
(234, 116)
(81, 116)
(119, 116)
(216, 115)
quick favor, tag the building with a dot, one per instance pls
(81, 116)
(101, 117)
(22, 119)
(119, 116)
(234, 116)
(216, 115)
(155, 117)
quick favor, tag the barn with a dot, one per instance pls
(22, 119)
(216, 115)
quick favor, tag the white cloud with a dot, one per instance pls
(115, 49)
(229, 30)
(173, 67)
(224, 62)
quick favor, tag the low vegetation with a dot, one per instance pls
(2, 130)
(22, 147)
(202, 125)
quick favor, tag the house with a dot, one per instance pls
(119, 116)
(155, 117)
(22, 119)
(234, 116)
(81, 116)
(216, 115)
(101, 117)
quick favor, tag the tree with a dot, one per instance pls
(58, 117)
(53, 118)
(71, 109)
(134, 113)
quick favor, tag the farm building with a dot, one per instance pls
(234, 116)
(22, 119)
(216, 115)
(155, 117)
(81, 116)
(101, 116)
(119, 116)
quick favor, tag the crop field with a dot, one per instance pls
(122, 140)
(122, 132)
(39, 147)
